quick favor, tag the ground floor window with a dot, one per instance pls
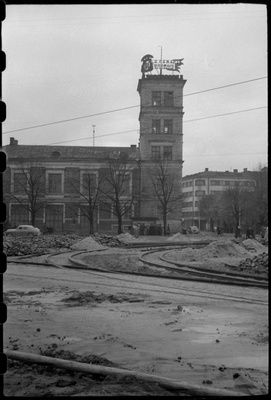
(18, 215)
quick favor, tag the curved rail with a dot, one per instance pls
(127, 277)
(188, 272)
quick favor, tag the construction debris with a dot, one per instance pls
(20, 246)
(256, 264)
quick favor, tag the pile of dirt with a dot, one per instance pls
(88, 243)
(223, 249)
(253, 245)
(215, 249)
(126, 238)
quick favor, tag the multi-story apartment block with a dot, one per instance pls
(195, 186)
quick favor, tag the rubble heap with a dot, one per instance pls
(111, 241)
(257, 264)
(19, 246)
(38, 245)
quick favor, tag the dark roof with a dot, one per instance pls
(220, 174)
(68, 152)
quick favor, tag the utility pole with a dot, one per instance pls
(93, 134)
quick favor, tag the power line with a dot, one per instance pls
(221, 115)
(99, 136)
(124, 108)
(70, 119)
(225, 86)
(147, 130)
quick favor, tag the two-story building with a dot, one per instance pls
(58, 178)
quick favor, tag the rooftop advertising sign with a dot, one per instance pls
(148, 64)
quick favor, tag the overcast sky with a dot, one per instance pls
(82, 63)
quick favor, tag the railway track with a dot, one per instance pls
(154, 256)
(188, 272)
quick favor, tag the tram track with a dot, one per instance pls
(188, 272)
(160, 283)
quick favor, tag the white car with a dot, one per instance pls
(194, 229)
(23, 230)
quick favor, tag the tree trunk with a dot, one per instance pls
(91, 226)
(33, 218)
(165, 222)
(119, 224)
(237, 229)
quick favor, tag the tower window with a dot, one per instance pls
(168, 126)
(167, 152)
(156, 99)
(168, 99)
(155, 153)
(156, 126)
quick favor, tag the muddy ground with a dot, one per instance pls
(187, 331)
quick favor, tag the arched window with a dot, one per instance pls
(55, 153)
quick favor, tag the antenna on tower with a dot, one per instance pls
(161, 59)
(93, 134)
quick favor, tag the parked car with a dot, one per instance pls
(23, 230)
(194, 229)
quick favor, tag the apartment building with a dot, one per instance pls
(195, 186)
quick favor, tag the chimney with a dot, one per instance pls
(133, 146)
(235, 170)
(245, 169)
(13, 142)
(206, 169)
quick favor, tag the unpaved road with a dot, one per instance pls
(190, 331)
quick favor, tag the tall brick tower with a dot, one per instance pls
(161, 122)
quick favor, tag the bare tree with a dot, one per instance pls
(210, 207)
(118, 188)
(29, 188)
(236, 201)
(89, 193)
(165, 184)
(260, 196)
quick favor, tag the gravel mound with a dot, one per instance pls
(87, 243)
(223, 249)
(126, 238)
(253, 245)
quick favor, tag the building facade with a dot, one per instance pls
(58, 168)
(161, 135)
(196, 186)
(59, 179)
